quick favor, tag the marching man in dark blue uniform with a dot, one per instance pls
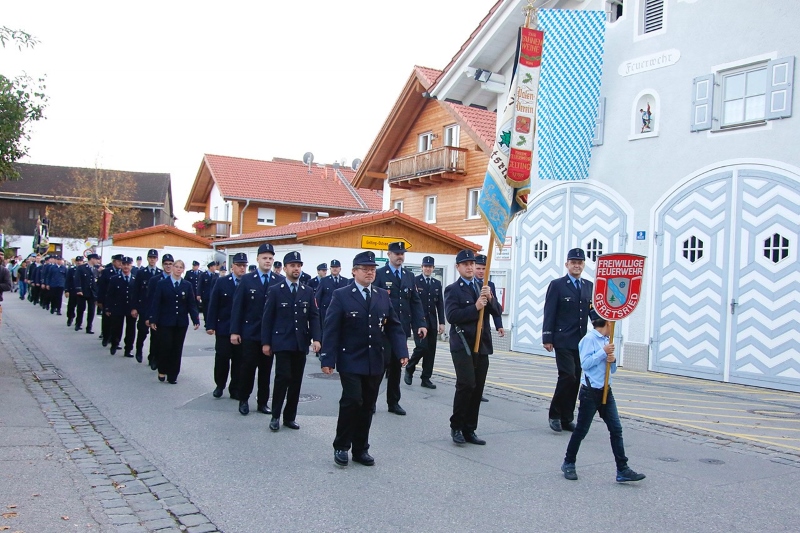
(430, 293)
(566, 315)
(111, 269)
(246, 315)
(143, 276)
(324, 292)
(193, 277)
(70, 290)
(56, 281)
(87, 290)
(402, 289)
(155, 345)
(218, 323)
(289, 325)
(360, 321)
(322, 273)
(463, 301)
(120, 307)
(206, 283)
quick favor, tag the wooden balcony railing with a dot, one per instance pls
(218, 229)
(447, 162)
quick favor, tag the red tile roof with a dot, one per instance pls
(427, 75)
(162, 228)
(304, 230)
(285, 181)
(483, 123)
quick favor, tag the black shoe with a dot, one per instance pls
(58, 313)
(291, 424)
(340, 457)
(217, 392)
(396, 409)
(629, 475)
(427, 384)
(69, 322)
(88, 331)
(568, 426)
(458, 437)
(113, 349)
(569, 471)
(162, 378)
(78, 327)
(172, 381)
(244, 408)
(264, 409)
(363, 458)
(105, 343)
(484, 399)
(472, 438)
(53, 311)
(555, 425)
(128, 354)
(274, 424)
(407, 377)
(138, 356)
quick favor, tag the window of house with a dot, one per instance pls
(307, 216)
(227, 212)
(398, 204)
(425, 142)
(266, 216)
(652, 16)
(451, 135)
(473, 195)
(613, 10)
(33, 213)
(430, 209)
(744, 95)
(216, 213)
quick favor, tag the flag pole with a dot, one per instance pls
(608, 366)
(479, 333)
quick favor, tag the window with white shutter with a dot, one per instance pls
(599, 123)
(652, 16)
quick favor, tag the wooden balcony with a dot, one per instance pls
(439, 165)
(218, 229)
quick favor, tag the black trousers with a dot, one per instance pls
(359, 394)
(289, 367)
(142, 330)
(424, 350)
(228, 358)
(253, 359)
(56, 299)
(471, 373)
(105, 326)
(35, 292)
(562, 406)
(169, 355)
(88, 306)
(72, 303)
(393, 371)
(117, 323)
(44, 298)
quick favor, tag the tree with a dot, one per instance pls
(22, 102)
(81, 209)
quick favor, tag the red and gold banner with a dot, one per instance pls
(105, 224)
(520, 160)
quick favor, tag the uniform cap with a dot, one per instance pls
(576, 253)
(365, 259)
(277, 264)
(397, 247)
(117, 257)
(335, 263)
(138, 257)
(322, 266)
(240, 258)
(428, 261)
(79, 259)
(480, 259)
(152, 253)
(127, 260)
(167, 257)
(465, 255)
(292, 257)
(593, 315)
(251, 268)
(212, 264)
(194, 263)
(266, 248)
(92, 256)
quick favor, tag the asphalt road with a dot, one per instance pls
(244, 478)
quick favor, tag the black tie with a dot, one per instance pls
(428, 282)
(367, 295)
(397, 275)
(475, 290)
(578, 284)
(294, 289)
(235, 283)
(176, 284)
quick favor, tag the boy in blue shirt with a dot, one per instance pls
(595, 350)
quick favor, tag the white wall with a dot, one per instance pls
(215, 200)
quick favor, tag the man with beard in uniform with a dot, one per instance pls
(120, 307)
(324, 292)
(402, 289)
(217, 315)
(289, 325)
(246, 315)
(111, 269)
(86, 289)
(430, 293)
(166, 264)
(143, 277)
(70, 290)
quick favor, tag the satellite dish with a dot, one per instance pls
(343, 161)
(336, 165)
(356, 163)
(308, 158)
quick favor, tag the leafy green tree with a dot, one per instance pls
(22, 102)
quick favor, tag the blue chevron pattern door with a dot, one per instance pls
(566, 217)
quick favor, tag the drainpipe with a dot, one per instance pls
(241, 218)
(154, 216)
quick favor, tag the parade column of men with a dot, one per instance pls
(143, 276)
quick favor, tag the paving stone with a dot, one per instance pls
(193, 520)
(113, 503)
(146, 506)
(155, 514)
(120, 519)
(175, 500)
(183, 509)
(203, 528)
(155, 525)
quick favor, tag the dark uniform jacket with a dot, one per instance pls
(432, 302)
(219, 306)
(205, 284)
(290, 322)
(498, 319)
(324, 292)
(566, 313)
(173, 306)
(460, 310)
(314, 282)
(121, 296)
(143, 278)
(69, 284)
(404, 297)
(248, 305)
(146, 301)
(193, 277)
(304, 278)
(353, 334)
(102, 283)
(35, 273)
(86, 282)
(56, 276)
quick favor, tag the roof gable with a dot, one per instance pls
(120, 238)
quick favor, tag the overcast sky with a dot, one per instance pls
(151, 86)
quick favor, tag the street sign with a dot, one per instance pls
(377, 242)
(618, 285)
(382, 260)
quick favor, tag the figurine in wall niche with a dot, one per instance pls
(647, 119)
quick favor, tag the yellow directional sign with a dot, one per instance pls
(376, 242)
